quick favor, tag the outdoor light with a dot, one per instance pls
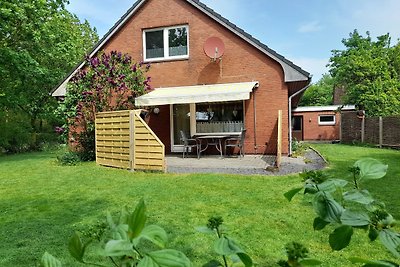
(156, 110)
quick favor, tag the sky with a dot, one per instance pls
(303, 31)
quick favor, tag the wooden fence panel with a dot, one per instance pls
(124, 140)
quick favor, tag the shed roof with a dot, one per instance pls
(292, 72)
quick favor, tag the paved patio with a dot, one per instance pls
(249, 164)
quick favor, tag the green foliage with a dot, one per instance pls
(41, 42)
(297, 256)
(224, 245)
(351, 209)
(122, 242)
(69, 158)
(369, 72)
(107, 82)
(320, 93)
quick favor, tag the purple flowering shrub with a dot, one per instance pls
(107, 82)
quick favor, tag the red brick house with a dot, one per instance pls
(244, 88)
(318, 123)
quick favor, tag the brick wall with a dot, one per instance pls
(313, 131)
(241, 63)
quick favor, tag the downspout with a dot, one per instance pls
(290, 116)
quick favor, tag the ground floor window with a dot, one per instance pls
(219, 117)
(326, 120)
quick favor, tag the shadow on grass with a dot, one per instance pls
(29, 227)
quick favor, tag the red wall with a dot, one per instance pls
(241, 63)
(313, 131)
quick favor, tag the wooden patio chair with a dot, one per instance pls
(189, 143)
(236, 142)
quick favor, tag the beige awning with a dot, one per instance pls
(197, 94)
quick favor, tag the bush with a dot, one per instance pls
(68, 158)
(15, 134)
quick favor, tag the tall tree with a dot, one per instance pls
(319, 94)
(40, 42)
(369, 72)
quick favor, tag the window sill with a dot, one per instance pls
(158, 60)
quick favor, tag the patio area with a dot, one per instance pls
(247, 165)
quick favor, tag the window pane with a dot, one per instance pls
(329, 118)
(154, 44)
(177, 41)
(297, 122)
(219, 117)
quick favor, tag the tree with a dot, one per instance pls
(107, 82)
(319, 94)
(369, 72)
(40, 42)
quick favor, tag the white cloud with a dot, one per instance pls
(313, 26)
(378, 17)
(315, 66)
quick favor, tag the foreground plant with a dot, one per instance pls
(123, 242)
(350, 209)
(297, 256)
(225, 246)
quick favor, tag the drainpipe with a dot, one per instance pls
(255, 118)
(290, 116)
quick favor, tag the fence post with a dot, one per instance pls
(363, 129)
(131, 139)
(380, 131)
(279, 143)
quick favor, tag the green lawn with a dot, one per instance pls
(41, 204)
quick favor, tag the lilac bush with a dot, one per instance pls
(107, 82)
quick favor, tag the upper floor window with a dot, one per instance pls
(326, 120)
(166, 43)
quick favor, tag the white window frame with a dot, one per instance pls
(166, 44)
(326, 122)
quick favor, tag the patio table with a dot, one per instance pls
(212, 140)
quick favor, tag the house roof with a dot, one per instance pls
(324, 108)
(292, 72)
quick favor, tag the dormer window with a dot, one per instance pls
(166, 43)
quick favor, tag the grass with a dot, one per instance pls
(41, 204)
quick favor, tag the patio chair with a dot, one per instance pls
(236, 142)
(189, 143)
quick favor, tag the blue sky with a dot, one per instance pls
(304, 31)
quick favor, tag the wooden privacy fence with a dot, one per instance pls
(382, 131)
(124, 140)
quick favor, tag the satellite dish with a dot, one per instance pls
(214, 48)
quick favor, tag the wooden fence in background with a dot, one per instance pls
(124, 140)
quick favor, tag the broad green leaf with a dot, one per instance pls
(155, 234)
(371, 169)
(49, 260)
(358, 196)
(110, 220)
(340, 237)
(213, 263)
(76, 248)
(309, 262)
(319, 223)
(226, 246)
(373, 263)
(205, 230)
(118, 248)
(290, 194)
(327, 208)
(355, 218)
(165, 258)
(120, 232)
(137, 220)
(247, 261)
(391, 240)
(332, 184)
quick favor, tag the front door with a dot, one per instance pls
(297, 127)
